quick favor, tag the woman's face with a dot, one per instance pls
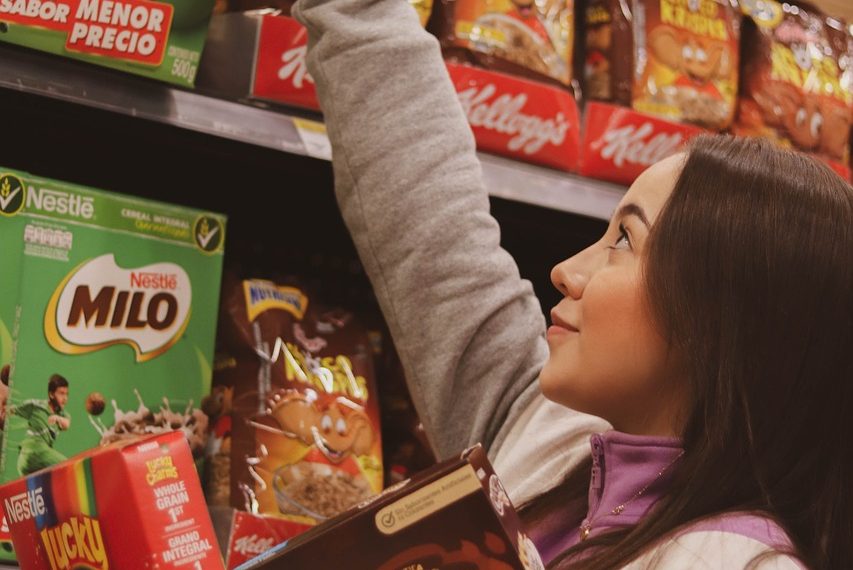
(607, 358)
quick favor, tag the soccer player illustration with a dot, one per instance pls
(46, 418)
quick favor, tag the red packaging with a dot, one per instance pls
(252, 535)
(620, 143)
(280, 72)
(521, 119)
(129, 505)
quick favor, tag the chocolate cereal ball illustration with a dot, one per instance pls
(95, 403)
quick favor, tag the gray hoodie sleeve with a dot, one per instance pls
(469, 330)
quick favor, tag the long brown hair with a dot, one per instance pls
(749, 275)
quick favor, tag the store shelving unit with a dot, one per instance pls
(540, 209)
(280, 129)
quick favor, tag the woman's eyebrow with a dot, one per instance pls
(632, 209)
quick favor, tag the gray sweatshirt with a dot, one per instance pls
(469, 330)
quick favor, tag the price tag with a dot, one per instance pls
(314, 137)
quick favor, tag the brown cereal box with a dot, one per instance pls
(295, 430)
(455, 515)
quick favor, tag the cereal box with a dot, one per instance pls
(158, 39)
(130, 505)
(686, 60)
(456, 515)
(297, 434)
(110, 334)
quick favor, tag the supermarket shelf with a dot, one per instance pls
(44, 75)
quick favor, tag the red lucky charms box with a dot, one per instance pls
(521, 119)
(619, 143)
(131, 505)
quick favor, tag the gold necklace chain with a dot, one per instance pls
(618, 509)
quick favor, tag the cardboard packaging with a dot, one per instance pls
(108, 309)
(158, 39)
(131, 505)
(455, 514)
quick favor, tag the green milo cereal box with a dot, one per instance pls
(159, 39)
(108, 309)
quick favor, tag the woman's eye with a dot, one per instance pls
(623, 242)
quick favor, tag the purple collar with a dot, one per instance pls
(622, 466)
(630, 473)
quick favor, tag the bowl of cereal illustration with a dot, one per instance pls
(317, 490)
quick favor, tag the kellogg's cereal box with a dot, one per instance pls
(110, 317)
(686, 60)
(131, 505)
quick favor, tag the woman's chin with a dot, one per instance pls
(553, 387)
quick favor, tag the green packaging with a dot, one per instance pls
(158, 39)
(118, 297)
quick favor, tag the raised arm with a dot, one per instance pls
(469, 330)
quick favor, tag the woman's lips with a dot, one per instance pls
(559, 326)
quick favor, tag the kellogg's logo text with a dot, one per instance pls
(252, 545)
(504, 115)
(630, 144)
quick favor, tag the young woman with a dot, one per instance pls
(698, 370)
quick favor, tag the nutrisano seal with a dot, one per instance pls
(297, 429)
(522, 37)
(686, 60)
(792, 90)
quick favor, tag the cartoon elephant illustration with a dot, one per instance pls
(337, 426)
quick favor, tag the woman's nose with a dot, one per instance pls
(569, 280)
